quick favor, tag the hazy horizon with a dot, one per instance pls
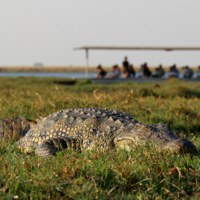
(47, 31)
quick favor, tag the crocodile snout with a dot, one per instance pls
(129, 141)
(180, 146)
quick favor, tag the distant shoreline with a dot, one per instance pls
(59, 69)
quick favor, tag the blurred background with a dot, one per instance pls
(45, 32)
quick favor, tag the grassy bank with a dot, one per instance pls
(142, 173)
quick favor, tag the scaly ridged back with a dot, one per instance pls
(95, 127)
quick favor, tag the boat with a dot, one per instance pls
(139, 80)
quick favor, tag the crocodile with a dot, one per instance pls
(14, 128)
(89, 128)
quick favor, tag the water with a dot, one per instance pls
(47, 74)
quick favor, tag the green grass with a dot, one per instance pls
(142, 173)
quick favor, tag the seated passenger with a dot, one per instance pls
(145, 70)
(198, 72)
(131, 71)
(116, 72)
(101, 72)
(173, 71)
(188, 73)
(159, 72)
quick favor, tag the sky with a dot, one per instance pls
(47, 31)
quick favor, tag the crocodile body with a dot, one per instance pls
(90, 128)
(14, 127)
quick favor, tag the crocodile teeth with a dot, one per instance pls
(89, 114)
(81, 113)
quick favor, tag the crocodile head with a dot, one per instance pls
(159, 135)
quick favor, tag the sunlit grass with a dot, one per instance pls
(142, 173)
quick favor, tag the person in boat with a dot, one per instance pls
(146, 71)
(174, 72)
(160, 72)
(131, 71)
(188, 73)
(101, 72)
(198, 72)
(116, 72)
(125, 68)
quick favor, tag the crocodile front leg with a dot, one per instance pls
(51, 146)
